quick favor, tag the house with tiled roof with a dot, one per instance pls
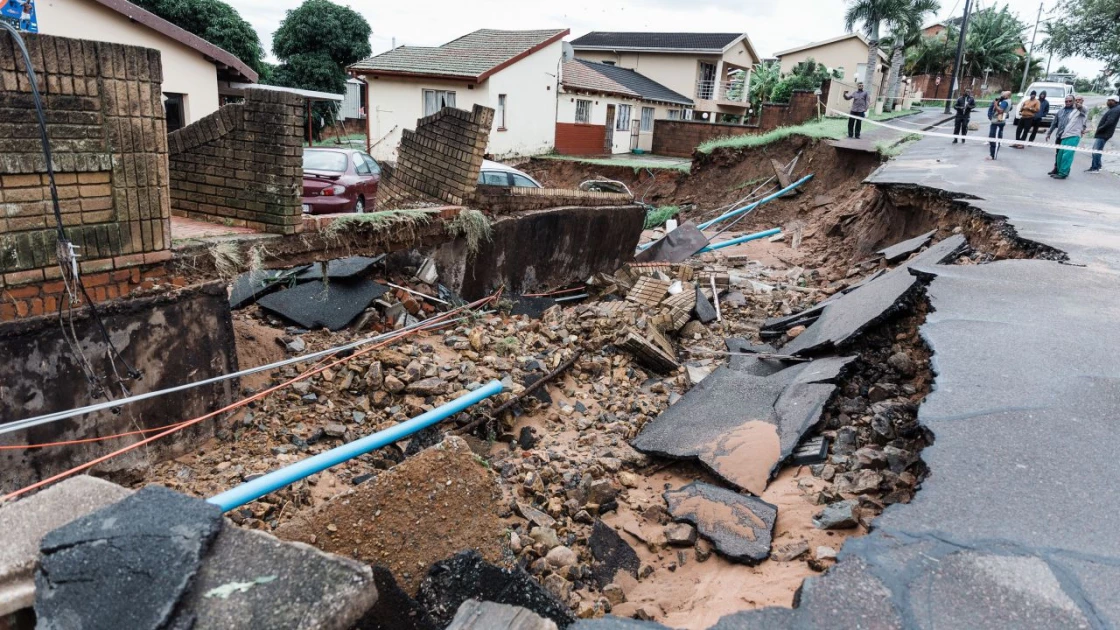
(712, 69)
(604, 108)
(513, 72)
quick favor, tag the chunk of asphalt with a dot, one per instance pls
(476, 615)
(253, 285)
(251, 579)
(611, 553)
(740, 425)
(898, 251)
(466, 575)
(126, 565)
(742, 360)
(740, 526)
(847, 317)
(677, 246)
(317, 304)
(395, 609)
(782, 324)
(533, 307)
(340, 268)
(704, 310)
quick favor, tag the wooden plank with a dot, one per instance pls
(783, 177)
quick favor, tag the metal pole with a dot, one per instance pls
(1030, 52)
(960, 55)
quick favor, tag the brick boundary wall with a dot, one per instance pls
(242, 165)
(498, 200)
(679, 138)
(440, 160)
(105, 119)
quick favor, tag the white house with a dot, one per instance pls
(603, 108)
(515, 72)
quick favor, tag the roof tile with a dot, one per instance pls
(669, 41)
(470, 56)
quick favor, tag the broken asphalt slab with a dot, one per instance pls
(348, 268)
(467, 576)
(741, 527)
(900, 251)
(740, 425)
(677, 246)
(394, 609)
(612, 554)
(253, 285)
(135, 558)
(316, 304)
(844, 318)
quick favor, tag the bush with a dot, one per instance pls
(658, 216)
(783, 92)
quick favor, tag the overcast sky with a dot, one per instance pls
(772, 25)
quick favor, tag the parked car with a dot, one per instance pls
(495, 174)
(1055, 93)
(338, 180)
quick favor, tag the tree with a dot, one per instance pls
(216, 22)
(1063, 70)
(807, 75)
(764, 79)
(994, 42)
(934, 54)
(873, 14)
(906, 32)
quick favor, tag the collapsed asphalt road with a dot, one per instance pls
(1012, 527)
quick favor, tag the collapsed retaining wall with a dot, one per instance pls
(106, 122)
(543, 249)
(174, 338)
(243, 164)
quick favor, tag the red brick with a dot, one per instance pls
(35, 306)
(23, 292)
(124, 288)
(23, 277)
(123, 274)
(111, 292)
(132, 260)
(95, 266)
(8, 311)
(95, 280)
(154, 272)
(98, 294)
(50, 304)
(157, 257)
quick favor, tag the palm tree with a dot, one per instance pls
(933, 54)
(764, 79)
(994, 42)
(873, 14)
(906, 34)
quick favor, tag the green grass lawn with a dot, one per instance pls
(634, 162)
(827, 129)
(330, 140)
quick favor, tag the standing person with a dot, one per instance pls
(1075, 126)
(1029, 108)
(1057, 128)
(964, 106)
(1105, 130)
(1040, 115)
(997, 117)
(860, 100)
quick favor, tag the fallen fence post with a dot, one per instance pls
(745, 209)
(741, 239)
(257, 488)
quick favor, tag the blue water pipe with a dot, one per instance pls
(741, 239)
(257, 488)
(745, 209)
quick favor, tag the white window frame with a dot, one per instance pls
(647, 120)
(501, 112)
(447, 96)
(674, 114)
(586, 105)
(622, 118)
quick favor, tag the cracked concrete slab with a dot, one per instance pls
(902, 250)
(741, 527)
(135, 558)
(27, 521)
(741, 425)
(845, 318)
(317, 304)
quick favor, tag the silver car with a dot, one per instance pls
(495, 174)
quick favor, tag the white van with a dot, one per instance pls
(1055, 93)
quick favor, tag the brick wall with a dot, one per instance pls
(243, 164)
(440, 161)
(106, 123)
(580, 139)
(680, 138)
(498, 200)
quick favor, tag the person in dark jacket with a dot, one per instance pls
(997, 119)
(964, 106)
(1027, 110)
(1106, 128)
(1040, 115)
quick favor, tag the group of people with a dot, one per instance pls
(1069, 125)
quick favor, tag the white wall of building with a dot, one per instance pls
(622, 140)
(185, 71)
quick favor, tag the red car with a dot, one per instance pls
(338, 180)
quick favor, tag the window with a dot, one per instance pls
(331, 161)
(647, 119)
(611, 63)
(583, 111)
(435, 100)
(175, 112)
(501, 112)
(522, 181)
(622, 122)
(373, 167)
(360, 165)
(493, 178)
(686, 114)
(674, 114)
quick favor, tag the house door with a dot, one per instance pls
(706, 86)
(608, 137)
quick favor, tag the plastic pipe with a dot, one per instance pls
(257, 488)
(741, 239)
(745, 209)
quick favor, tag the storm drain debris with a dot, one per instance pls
(739, 526)
(317, 304)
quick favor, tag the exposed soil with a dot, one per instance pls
(426, 509)
(256, 345)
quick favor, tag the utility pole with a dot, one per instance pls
(960, 55)
(1030, 53)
